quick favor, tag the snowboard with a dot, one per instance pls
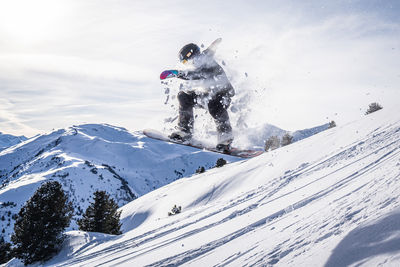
(236, 152)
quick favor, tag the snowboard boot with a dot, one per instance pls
(224, 146)
(225, 140)
(180, 136)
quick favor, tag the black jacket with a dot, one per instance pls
(211, 75)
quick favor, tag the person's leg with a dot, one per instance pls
(186, 104)
(217, 107)
(185, 121)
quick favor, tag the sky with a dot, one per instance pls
(294, 64)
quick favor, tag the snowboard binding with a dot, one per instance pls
(225, 146)
(180, 136)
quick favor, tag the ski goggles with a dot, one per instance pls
(187, 56)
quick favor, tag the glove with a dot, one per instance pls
(168, 74)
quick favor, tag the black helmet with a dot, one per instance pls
(188, 52)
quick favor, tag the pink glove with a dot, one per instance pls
(168, 74)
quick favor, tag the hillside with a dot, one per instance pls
(305, 133)
(92, 157)
(7, 140)
(328, 200)
(256, 136)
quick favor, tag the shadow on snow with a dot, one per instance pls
(382, 237)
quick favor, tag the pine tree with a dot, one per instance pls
(220, 162)
(286, 139)
(272, 143)
(373, 107)
(101, 216)
(38, 230)
(5, 251)
(201, 169)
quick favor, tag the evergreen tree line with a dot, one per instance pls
(274, 142)
(38, 229)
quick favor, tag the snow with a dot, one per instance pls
(255, 137)
(375, 243)
(328, 200)
(93, 157)
(7, 140)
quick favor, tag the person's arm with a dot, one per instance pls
(190, 75)
(186, 75)
(200, 74)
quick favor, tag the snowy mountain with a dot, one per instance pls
(328, 200)
(7, 140)
(256, 136)
(93, 157)
(301, 134)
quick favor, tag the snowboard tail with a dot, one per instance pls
(236, 152)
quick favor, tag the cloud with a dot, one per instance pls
(10, 123)
(73, 67)
(305, 61)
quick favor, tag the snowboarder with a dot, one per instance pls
(206, 73)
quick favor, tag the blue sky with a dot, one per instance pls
(64, 63)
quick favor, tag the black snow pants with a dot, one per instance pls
(217, 106)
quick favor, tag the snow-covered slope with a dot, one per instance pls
(7, 140)
(92, 157)
(302, 134)
(331, 199)
(256, 136)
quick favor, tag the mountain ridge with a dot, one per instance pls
(8, 140)
(98, 156)
(93, 157)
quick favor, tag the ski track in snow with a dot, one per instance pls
(182, 258)
(353, 183)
